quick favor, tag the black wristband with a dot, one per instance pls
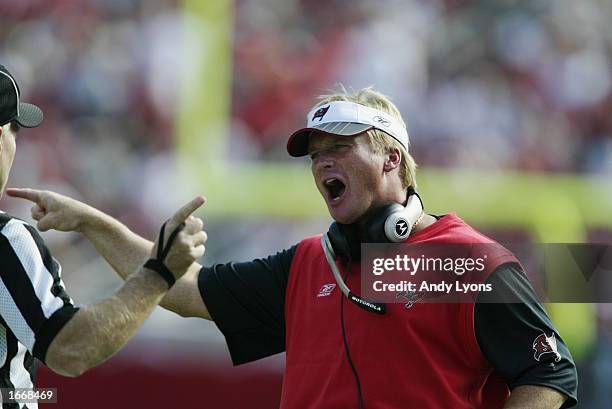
(161, 269)
(157, 264)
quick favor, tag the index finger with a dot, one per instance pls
(184, 212)
(24, 193)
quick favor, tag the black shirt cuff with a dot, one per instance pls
(50, 328)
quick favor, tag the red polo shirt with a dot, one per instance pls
(427, 356)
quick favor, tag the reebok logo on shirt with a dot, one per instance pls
(326, 290)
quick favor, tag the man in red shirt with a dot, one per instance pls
(480, 354)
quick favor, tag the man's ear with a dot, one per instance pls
(393, 160)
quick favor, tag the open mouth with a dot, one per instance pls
(335, 188)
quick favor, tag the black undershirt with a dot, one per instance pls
(246, 301)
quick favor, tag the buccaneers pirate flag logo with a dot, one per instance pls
(545, 345)
(320, 113)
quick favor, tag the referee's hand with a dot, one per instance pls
(52, 210)
(188, 245)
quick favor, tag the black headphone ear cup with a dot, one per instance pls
(344, 241)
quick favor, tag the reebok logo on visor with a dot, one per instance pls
(381, 121)
(320, 113)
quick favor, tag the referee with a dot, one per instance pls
(38, 320)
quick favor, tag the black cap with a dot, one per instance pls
(11, 108)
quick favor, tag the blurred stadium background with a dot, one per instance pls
(508, 103)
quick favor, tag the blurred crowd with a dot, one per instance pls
(489, 84)
(485, 84)
(101, 72)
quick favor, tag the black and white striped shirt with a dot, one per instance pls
(33, 303)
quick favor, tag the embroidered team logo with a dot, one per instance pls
(545, 345)
(320, 113)
(326, 290)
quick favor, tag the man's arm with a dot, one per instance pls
(535, 397)
(96, 332)
(520, 341)
(123, 249)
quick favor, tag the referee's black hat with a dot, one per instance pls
(11, 108)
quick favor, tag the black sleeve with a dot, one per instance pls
(516, 335)
(247, 303)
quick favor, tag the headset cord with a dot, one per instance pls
(346, 349)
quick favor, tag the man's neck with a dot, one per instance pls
(425, 222)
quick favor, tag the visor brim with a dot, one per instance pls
(298, 142)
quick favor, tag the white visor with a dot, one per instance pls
(347, 119)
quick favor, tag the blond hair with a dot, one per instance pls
(381, 142)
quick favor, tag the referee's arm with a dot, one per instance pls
(68, 340)
(123, 249)
(96, 332)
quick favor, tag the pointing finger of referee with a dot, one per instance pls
(24, 193)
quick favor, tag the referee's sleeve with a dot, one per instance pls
(33, 302)
(247, 303)
(518, 338)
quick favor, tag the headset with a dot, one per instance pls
(392, 223)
